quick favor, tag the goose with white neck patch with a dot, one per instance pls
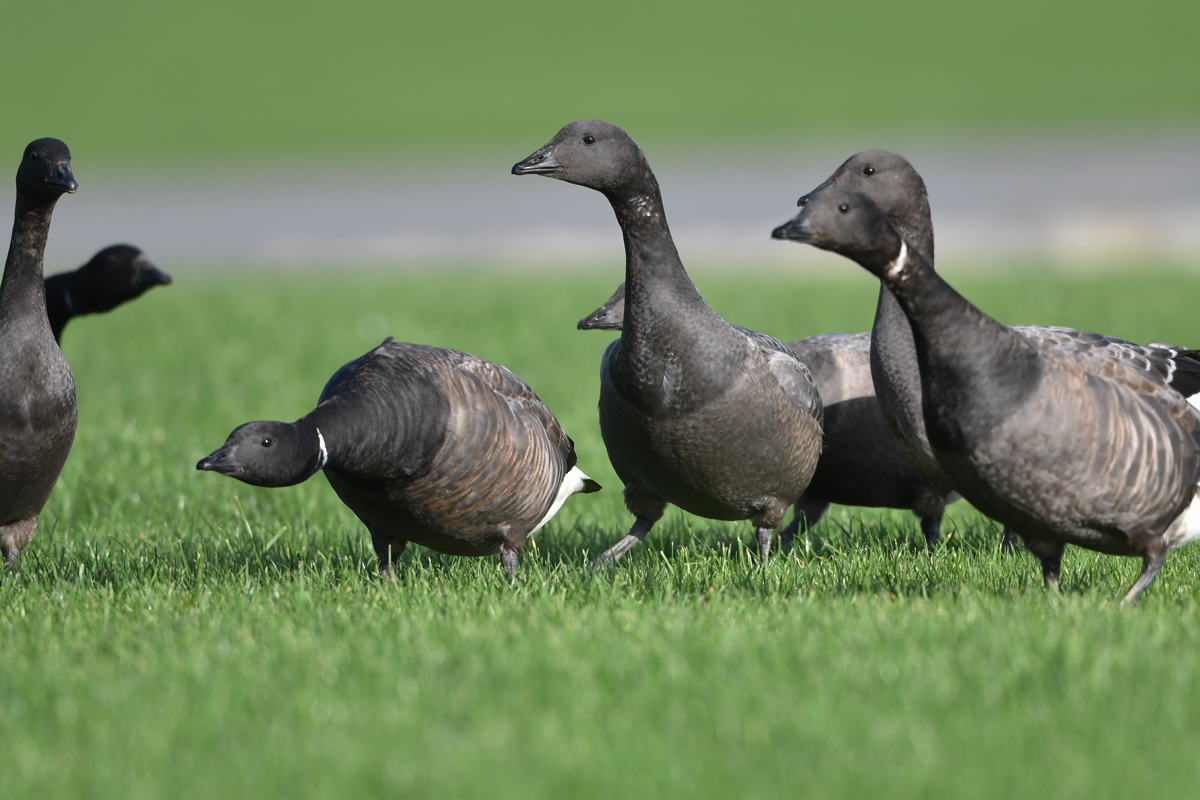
(897, 189)
(722, 421)
(1065, 446)
(37, 391)
(860, 464)
(425, 445)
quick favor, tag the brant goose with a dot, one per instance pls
(115, 275)
(425, 445)
(37, 391)
(1063, 443)
(892, 183)
(860, 465)
(722, 421)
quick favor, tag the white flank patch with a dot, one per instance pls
(572, 483)
(1186, 527)
(324, 451)
(1194, 401)
(897, 266)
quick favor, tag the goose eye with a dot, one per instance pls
(844, 207)
(868, 170)
(803, 201)
(267, 442)
(589, 139)
(33, 156)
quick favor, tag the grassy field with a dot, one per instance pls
(133, 79)
(174, 633)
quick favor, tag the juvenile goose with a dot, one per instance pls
(425, 445)
(722, 421)
(115, 275)
(1061, 444)
(861, 464)
(892, 183)
(37, 391)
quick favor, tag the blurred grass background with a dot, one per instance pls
(219, 79)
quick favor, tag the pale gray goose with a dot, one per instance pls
(721, 421)
(115, 275)
(425, 445)
(1063, 445)
(37, 390)
(892, 183)
(860, 464)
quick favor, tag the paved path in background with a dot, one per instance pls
(1109, 199)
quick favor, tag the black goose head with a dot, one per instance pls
(591, 153)
(848, 223)
(892, 183)
(608, 317)
(45, 173)
(115, 275)
(269, 454)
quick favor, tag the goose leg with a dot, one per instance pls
(14, 536)
(765, 522)
(1008, 541)
(1050, 553)
(806, 512)
(930, 508)
(388, 551)
(1151, 564)
(510, 557)
(641, 526)
(647, 509)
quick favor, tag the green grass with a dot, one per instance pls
(134, 79)
(174, 633)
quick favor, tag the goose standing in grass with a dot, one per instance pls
(1064, 444)
(117, 274)
(425, 445)
(861, 464)
(898, 190)
(721, 421)
(37, 390)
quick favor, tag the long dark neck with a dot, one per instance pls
(59, 305)
(659, 294)
(972, 367)
(891, 323)
(22, 289)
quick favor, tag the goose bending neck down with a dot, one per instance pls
(425, 445)
(1064, 447)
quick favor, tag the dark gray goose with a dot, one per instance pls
(117, 274)
(1063, 445)
(37, 391)
(722, 421)
(425, 445)
(892, 183)
(860, 464)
